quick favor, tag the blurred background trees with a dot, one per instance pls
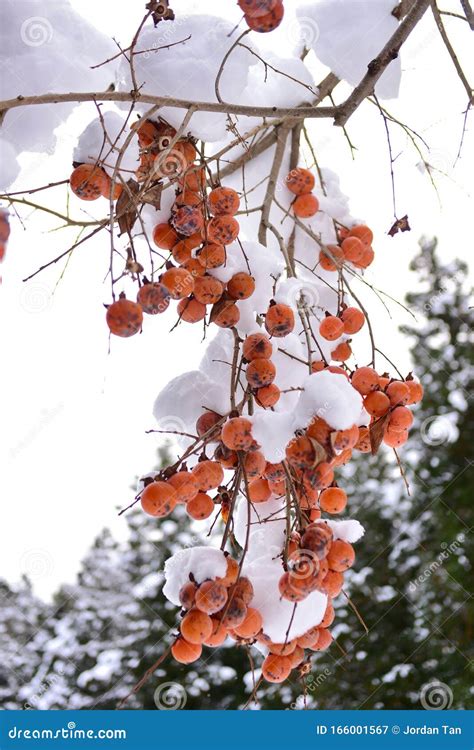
(408, 616)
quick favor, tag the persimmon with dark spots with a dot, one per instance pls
(268, 22)
(341, 556)
(279, 320)
(153, 298)
(376, 403)
(363, 233)
(398, 393)
(300, 181)
(212, 255)
(187, 595)
(254, 464)
(243, 589)
(200, 507)
(257, 8)
(257, 346)
(228, 459)
(179, 282)
(415, 392)
(308, 639)
(331, 258)
(181, 252)
(324, 640)
(208, 423)
(196, 626)
(305, 206)
(353, 320)
(237, 434)
(278, 488)
(343, 439)
(268, 396)
(251, 626)
(208, 290)
(185, 485)
(223, 201)
(260, 373)
(185, 652)
(165, 237)
(282, 649)
(333, 500)
(223, 229)
(275, 472)
(208, 475)
(218, 635)
(194, 267)
(89, 182)
(342, 352)
(158, 499)
(352, 248)
(395, 438)
(187, 220)
(234, 613)
(276, 668)
(241, 286)
(332, 583)
(190, 310)
(319, 430)
(259, 490)
(320, 477)
(124, 317)
(211, 596)
(329, 616)
(331, 328)
(228, 317)
(317, 538)
(288, 591)
(300, 452)
(365, 380)
(401, 419)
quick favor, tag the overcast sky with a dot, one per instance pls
(74, 415)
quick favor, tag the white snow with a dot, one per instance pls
(348, 34)
(102, 140)
(349, 530)
(188, 70)
(277, 613)
(330, 396)
(45, 47)
(202, 562)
